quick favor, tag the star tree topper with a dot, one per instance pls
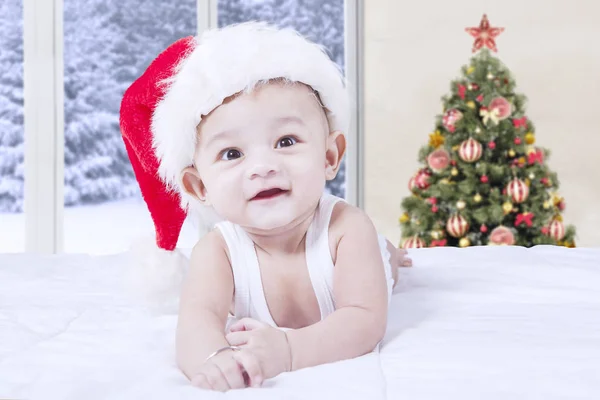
(484, 35)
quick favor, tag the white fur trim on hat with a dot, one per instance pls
(228, 61)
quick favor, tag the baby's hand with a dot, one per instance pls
(229, 370)
(269, 345)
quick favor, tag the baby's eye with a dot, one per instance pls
(287, 141)
(230, 154)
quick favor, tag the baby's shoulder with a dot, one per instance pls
(347, 218)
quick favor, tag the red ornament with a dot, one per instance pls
(474, 86)
(484, 179)
(453, 162)
(501, 106)
(544, 181)
(413, 242)
(562, 206)
(432, 200)
(470, 150)
(422, 179)
(491, 145)
(518, 190)
(483, 229)
(479, 98)
(517, 141)
(484, 35)
(412, 183)
(457, 226)
(556, 230)
(434, 208)
(545, 230)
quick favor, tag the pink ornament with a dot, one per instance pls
(502, 107)
(517, 140)
(438, 160)
(451, 118)
(422, 179)
(434, 208)
(491, 145)
(484, 179)
(502, 236)
(412, 183)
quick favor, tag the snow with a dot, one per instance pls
(107, 228)
(490, 323)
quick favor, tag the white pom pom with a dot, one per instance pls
(155, 276)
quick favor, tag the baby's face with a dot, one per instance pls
(262, 158)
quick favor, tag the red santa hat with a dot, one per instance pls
(161, 110)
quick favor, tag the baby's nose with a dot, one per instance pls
(261, 169)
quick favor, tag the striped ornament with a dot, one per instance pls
(556, 230)
(518, 190)
(457, 226)
(470, 150)
(413, 242)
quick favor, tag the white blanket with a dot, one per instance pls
(477, 323)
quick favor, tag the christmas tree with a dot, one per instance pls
(484, 181)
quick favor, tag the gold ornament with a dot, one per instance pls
(490, 76)
(477, 198)
(527, 182)
(461, 204)
(529, 150)
(546, 205)
(529, 138)
(404, 218)
(464, 242)
(556, 199)
(470, 70)
(507, 207)
(471, 104)
(436, 139)
(436, 235)
(455, 148)
(454, 172)
(532, 176)
(511, 153)
(444, 181)
(522, 160)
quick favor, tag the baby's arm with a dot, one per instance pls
(205, 300)
(360, 291)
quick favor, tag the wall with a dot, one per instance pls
(414, 49)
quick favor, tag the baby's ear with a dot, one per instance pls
(336, 147)
(193, 185)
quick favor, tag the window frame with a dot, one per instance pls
(43, 91)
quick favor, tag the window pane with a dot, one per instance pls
(107, 45)
(321, 21)
(12, 134)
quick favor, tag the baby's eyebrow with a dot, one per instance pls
(287, 120)
(220, 135)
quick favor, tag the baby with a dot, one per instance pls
(304, 273)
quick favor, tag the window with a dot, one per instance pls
(107, 45)
(12, 138)
(321, 21)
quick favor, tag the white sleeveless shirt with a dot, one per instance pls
(250, 300)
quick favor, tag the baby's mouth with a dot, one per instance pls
(269, 194)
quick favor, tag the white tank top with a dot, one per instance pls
(250, 300)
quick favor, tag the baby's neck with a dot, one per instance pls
(286, 240)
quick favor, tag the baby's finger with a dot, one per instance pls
(238, 338)
(250, 364)
(216, 379)
(406, 262)
(200, 381)
(233, 374)
(245, 324)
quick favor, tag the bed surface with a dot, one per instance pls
(475, 323)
